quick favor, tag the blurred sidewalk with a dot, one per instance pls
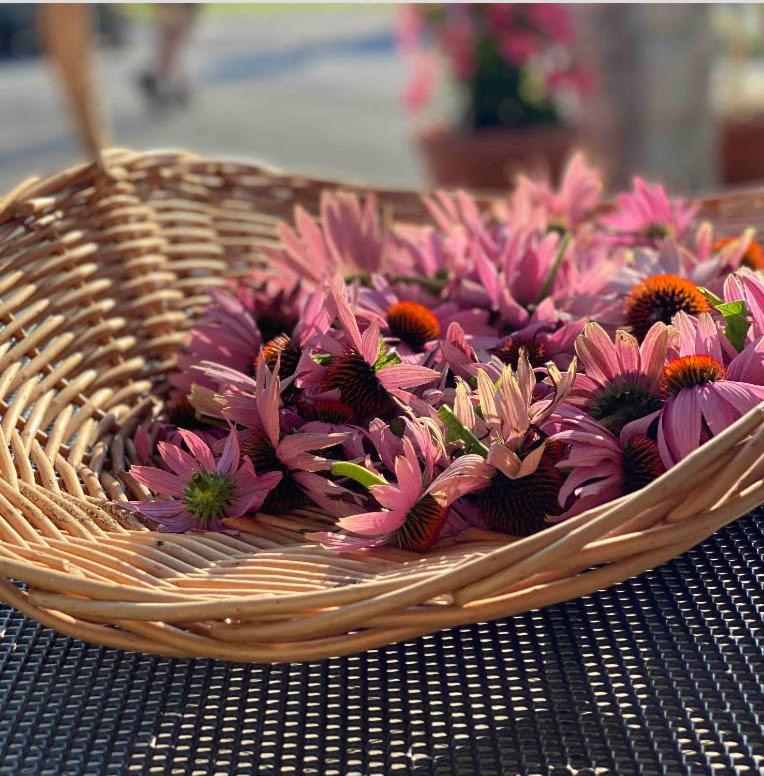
(310, 89)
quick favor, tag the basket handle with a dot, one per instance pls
(65, 33)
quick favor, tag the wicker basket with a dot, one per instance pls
(100, 275)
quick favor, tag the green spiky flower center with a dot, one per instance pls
(208, 495)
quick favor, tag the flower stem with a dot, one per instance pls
(549, 279)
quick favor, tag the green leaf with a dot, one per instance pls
(458, 432)
(386, 358)
(737, 322)
(712, 298)
(358, 473)
(736, 318)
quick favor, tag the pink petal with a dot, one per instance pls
(372, 523)
(156, 509)
(183, 464)
(198, 449)
(294, 445)
(229, 460)
(392, 497)
(406, 376)
(345, 315)
(267, 400)
(158, 480)
(465, 475)
(224, 374)
(370, 343)
(179, 523)
(680, 427)
(252, 489)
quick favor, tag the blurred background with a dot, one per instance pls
(399, 96)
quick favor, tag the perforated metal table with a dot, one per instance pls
(660, 675)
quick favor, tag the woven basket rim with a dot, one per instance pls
(101, 269)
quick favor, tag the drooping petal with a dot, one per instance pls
(181, 462)
(679, 428)
(268, 401)
(370, 340)
(465, 475)
(505, 460)
(294, 445)
(393, 497)
(159, 480)
(229, 460)
(372, 523)
(198, 449)
(252, 490)
(406, 376)
(155, 509)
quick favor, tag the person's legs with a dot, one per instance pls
(167, 83)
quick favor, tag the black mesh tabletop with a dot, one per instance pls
(659, 675)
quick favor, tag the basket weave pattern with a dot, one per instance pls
(100, 276)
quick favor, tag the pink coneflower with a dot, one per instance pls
(227, 334)
(548, 336)
(257, 406)
(670, 258)
(365, 373)
(621, 381)
(202, 490)
(658, 299)
(286, 350)
(600, 466)
(416, 324)
(751, 253)
(727, 253)
(523, 489)
(349, 239)
(571, 204)
(702, 399)
(646, 214)
(516, 274)
(415, 508)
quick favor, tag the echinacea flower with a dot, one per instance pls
(256, 405)
(572, 203)
(702, 398)
(227, 334)
(548, 336)
(621, 379)
(415, 508)
(646, 214)
(730, 252)
(658, 299)
(600, 466)
(523, 489)
(202, 490)
(413, 324)
(348, 240)
(364, 372)
(753, 255)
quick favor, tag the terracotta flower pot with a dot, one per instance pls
(742, 149)
(490, 158)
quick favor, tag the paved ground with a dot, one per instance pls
(314, 90)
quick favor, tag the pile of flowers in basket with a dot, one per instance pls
(505, 367)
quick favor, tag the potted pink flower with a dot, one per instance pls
(517, 84)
